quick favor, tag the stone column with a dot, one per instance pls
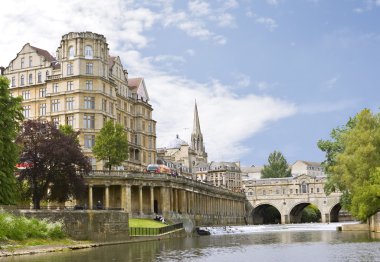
(176, 199)
(152, 199)
(90, 200)
(140, 200)
(165, 196)
(128, 200)
(107, 200)
(122, 197)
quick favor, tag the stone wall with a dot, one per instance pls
(374, 223)
(99, 226)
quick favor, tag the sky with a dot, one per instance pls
(266, 74)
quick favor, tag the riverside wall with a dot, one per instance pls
(98, 226)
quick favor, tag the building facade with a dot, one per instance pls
(301, 167)
(83, 86)
(225, 174)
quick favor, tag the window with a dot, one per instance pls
(89, 67)
(55, 88)
(104, 105)
(39, 77)
(304, 188)
(47, 74)
(88, 85)
(22, 80)
(71, 52)
(13, 81)
(93, 163)
(110, 90)
(89, 141)
(70, 85)
(26, 111)
(69, 103)
(22, 62)
(55, 121)
(30, 79)
(111, 108)
(42, 92)
(104, 88)
(55, 105)
(312, 190)
(30, 61)
(88, 52)
(70, 120)
(69, 69)
(89, 102)
(42, 110)
(89, 121)
(26, 94)
(317, 189)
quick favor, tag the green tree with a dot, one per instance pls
(57, 164)
(277, 166)
(69, 131)
(111, 144)
(10, 117)
(353, 162)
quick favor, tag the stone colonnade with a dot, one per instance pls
(146, 198)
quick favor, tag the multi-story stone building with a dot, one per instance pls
(301, 167)
(225, 174)
(83, 86)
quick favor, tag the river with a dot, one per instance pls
(297, 242)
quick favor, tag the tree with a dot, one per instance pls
(57, 163)
(111, 144)
(10, 117)
(69, 131)
(353, 164)
(278, 166)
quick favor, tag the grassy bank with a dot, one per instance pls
(146, 223)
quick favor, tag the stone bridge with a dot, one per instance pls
(145, 194)
(290, 196)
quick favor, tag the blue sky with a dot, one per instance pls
(267, 75)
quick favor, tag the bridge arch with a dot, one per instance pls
(266, 213)
(334, 212)
(295, 214)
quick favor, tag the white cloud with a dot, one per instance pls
(273, 2)
(190, 52)
(242, 80)
(268, 22)
(331, 82)
(199, 8)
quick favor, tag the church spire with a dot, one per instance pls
(196, 125)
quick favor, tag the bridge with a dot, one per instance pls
(289, 196)
(146, 194)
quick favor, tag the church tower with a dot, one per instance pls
(197, 139)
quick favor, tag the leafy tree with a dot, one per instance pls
(278, 166)
(69, 131)
(10, 116)
(353, 164)
(111, 144)
(57, 163)
(310, 213)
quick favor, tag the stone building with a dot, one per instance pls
(183, 156)
(301, 167)
(225, 174)
(84, 86)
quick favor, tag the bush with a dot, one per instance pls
(21, 228)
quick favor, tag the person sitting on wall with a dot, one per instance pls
(99, 205)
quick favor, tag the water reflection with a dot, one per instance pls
(276, 245)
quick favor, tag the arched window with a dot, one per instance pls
(88, 52)
(71, 52)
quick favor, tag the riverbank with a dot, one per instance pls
(18, 250)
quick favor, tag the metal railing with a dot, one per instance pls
(142, 231)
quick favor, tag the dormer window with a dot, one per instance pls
(71, 52)
(88, 52)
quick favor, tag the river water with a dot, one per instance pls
(298, 242)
